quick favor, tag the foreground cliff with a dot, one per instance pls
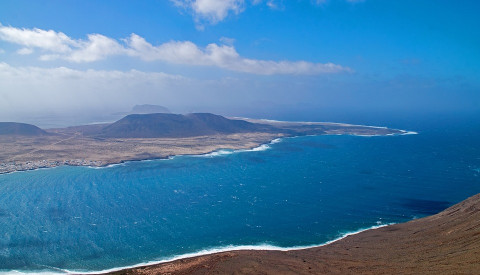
(445, 243)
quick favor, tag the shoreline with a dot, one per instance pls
(122, 162)
(203, 252)
(442, 243)
(229, 248)
(453, 231)
(97, 164)
(211, 251)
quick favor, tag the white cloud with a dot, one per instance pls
(37, 38)
(227, 40)
(57, 45)
(25, 51)
(97, 47)
(223, 56)
(272, 4)
(212, 11)
(216, 10)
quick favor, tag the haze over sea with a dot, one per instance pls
(297, 192)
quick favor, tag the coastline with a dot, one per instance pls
(216, 250)
(31, 165)
(447, 219)
(94, 164)
(135, 150)
(204, 252)
(429, 245)
(228, 248)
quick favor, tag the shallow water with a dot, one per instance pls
(296, 192)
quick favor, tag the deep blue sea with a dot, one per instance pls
(297, 192)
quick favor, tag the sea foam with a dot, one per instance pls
(203, 252)
(213, 250)
(409, 132)
(224, 152)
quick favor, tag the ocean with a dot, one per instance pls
(294, 192)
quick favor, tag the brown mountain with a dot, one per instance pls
(20, 129)
(175, 125)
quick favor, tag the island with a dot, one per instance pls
(151, 136)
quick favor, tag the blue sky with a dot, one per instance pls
(239, 57)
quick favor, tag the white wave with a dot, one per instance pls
(409, 132)
(217, 153)
(107, 166)
(277, 140)
(208, 251)
(263, 246)
(57, 271)
(262, 147)
(224, 152)
(359, 135)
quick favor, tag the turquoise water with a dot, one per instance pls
(297, 192)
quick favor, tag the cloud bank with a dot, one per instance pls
(58, 46)
(76, 96)
(35, 89)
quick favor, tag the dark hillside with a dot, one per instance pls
(20, 129)
(175, 125)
